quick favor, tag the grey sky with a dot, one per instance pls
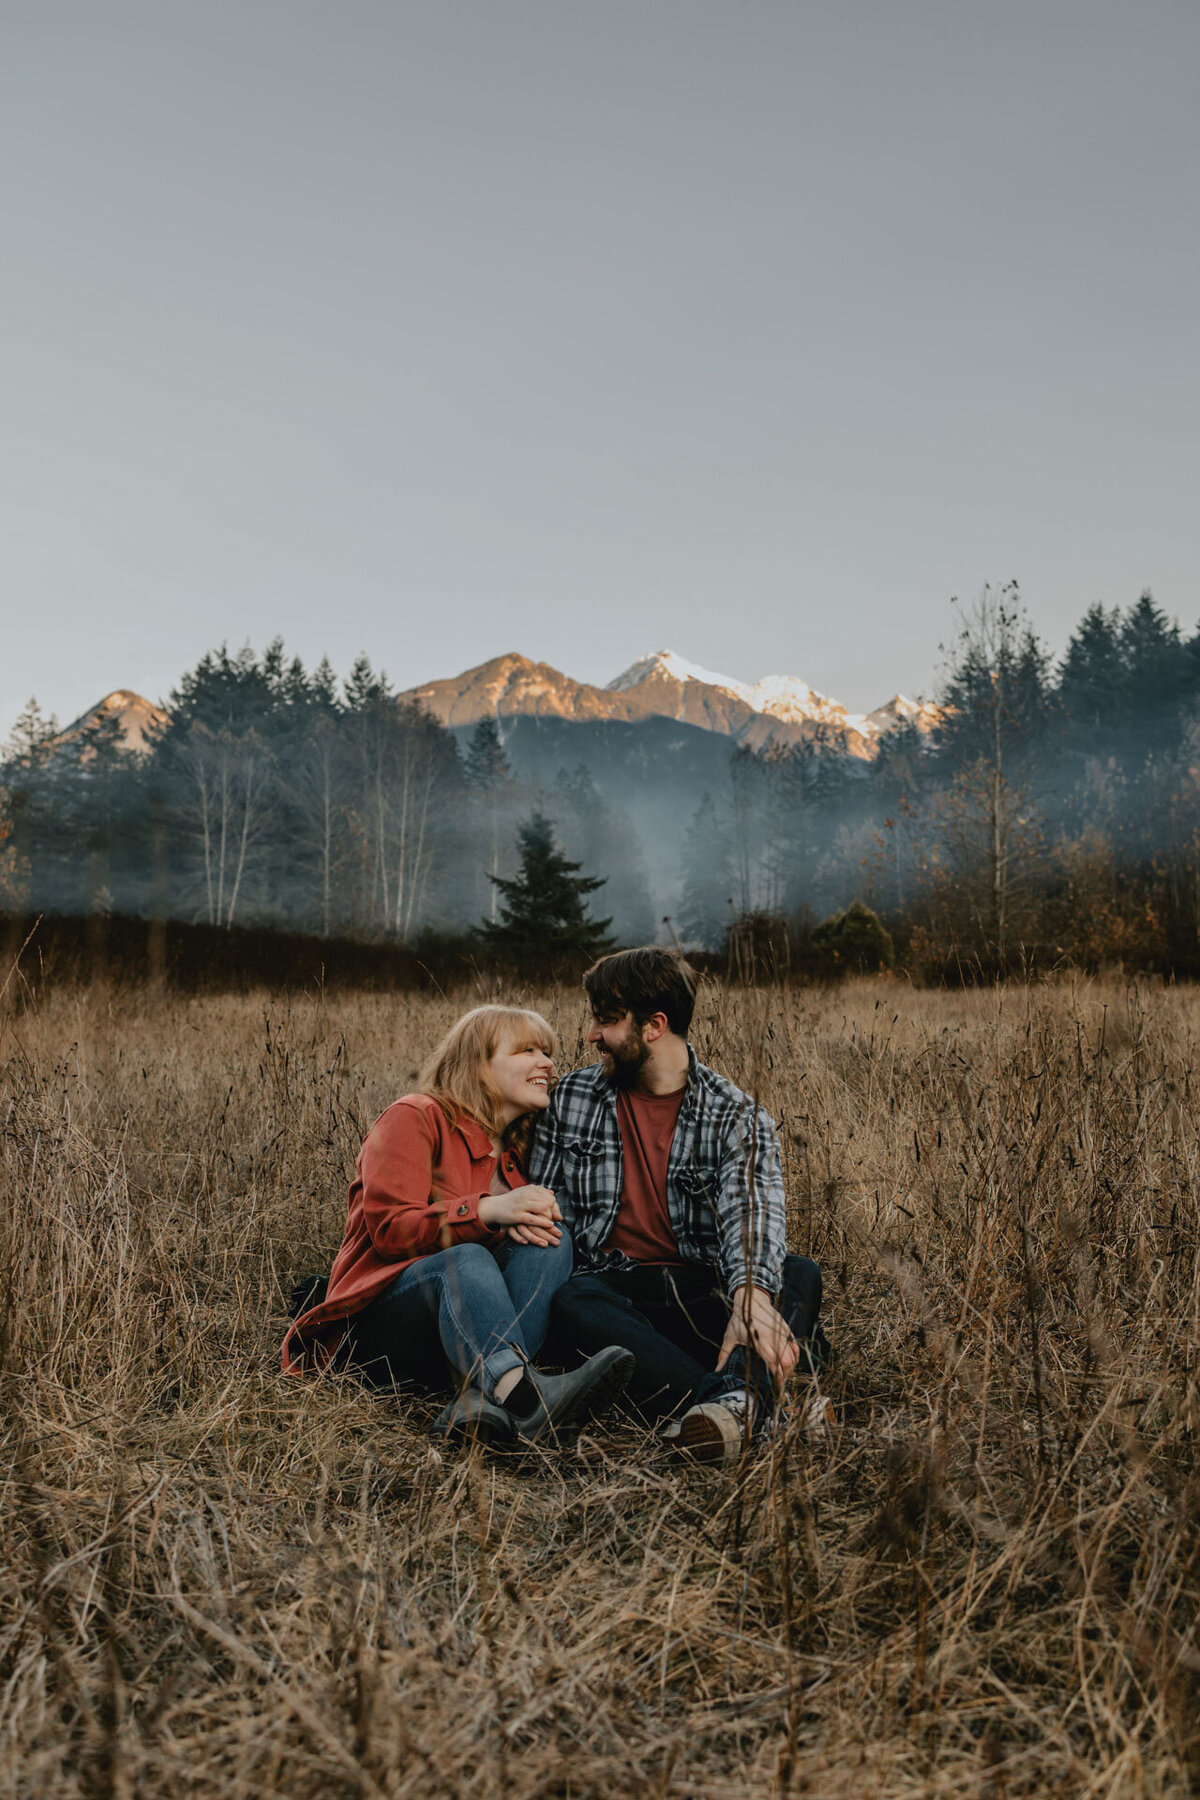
(753, 330)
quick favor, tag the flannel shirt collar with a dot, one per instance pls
(608, 1091)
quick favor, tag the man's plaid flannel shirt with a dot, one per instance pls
(725, 1196)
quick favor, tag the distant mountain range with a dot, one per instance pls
(662, 686)
(654, 744)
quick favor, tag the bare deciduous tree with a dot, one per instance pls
(228, 773)
(995, 705)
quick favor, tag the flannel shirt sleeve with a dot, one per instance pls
(751, 1208)
(545, 1155)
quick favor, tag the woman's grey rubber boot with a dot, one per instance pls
(472, 1415)
(566, 1399)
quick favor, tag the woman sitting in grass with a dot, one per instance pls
(450, 1259)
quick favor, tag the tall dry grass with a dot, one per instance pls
(219, 1582)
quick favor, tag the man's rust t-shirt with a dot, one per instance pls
(647, 1125)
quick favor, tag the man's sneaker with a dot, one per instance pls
(714, 1431)
(566, 1399)
(818, 1416)
(472, 1416)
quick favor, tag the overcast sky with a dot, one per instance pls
(590, 327)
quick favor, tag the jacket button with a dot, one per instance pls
(463, 1211)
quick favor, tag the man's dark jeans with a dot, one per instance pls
(673, 1318)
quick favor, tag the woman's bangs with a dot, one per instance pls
(519, 1023)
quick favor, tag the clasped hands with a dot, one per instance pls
(529, 1215)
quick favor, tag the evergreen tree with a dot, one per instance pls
(362, 687)
(1092, 683)
(487, 764)
(295, 688)
(1159, 677)
(28, 808)
(808, 800)
(897, 788)
(751, 843)
(323, 685)
(273, 666)
(489, 779)
(74, 812)
(311, 759)
(30, 735)
(543, 916)
(226, 693)
(98, 813)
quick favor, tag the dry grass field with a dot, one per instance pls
(216, 1581)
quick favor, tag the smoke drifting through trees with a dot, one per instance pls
(1053, 812)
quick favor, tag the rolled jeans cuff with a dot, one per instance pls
(498, 1365)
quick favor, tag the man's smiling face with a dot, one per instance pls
(623, 1052)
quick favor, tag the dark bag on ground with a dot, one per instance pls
(307, 1293)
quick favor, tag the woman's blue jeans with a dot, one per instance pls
(481, 1311)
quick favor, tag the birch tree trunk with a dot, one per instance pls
(249, 795)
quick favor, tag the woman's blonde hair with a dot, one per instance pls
(457, 1075)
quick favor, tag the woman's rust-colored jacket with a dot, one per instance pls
(416, 1191)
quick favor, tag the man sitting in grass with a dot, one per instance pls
(669, 1179)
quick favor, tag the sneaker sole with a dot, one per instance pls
(709, 1434)
(819, 1418)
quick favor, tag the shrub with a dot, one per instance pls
(855, 941)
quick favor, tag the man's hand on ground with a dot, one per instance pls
(755, 1323)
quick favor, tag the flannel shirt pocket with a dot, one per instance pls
(586, 1167)
(695, 1216)
(584, 1153)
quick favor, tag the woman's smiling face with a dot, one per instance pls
(522, 1073)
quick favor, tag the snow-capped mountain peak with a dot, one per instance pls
(788, 698)
(900, 710)
(665, 663)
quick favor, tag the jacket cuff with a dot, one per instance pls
(463, 1211)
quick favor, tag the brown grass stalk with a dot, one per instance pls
(215, 1581)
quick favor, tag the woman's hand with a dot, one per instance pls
(527, 1214)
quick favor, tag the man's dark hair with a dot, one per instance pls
(643, 982)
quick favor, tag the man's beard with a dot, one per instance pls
(627, 1062)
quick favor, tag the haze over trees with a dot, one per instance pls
(1053, 813)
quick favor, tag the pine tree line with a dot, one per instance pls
(1054, 812)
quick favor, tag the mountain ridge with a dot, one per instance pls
(138, 720)
(779, 707)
